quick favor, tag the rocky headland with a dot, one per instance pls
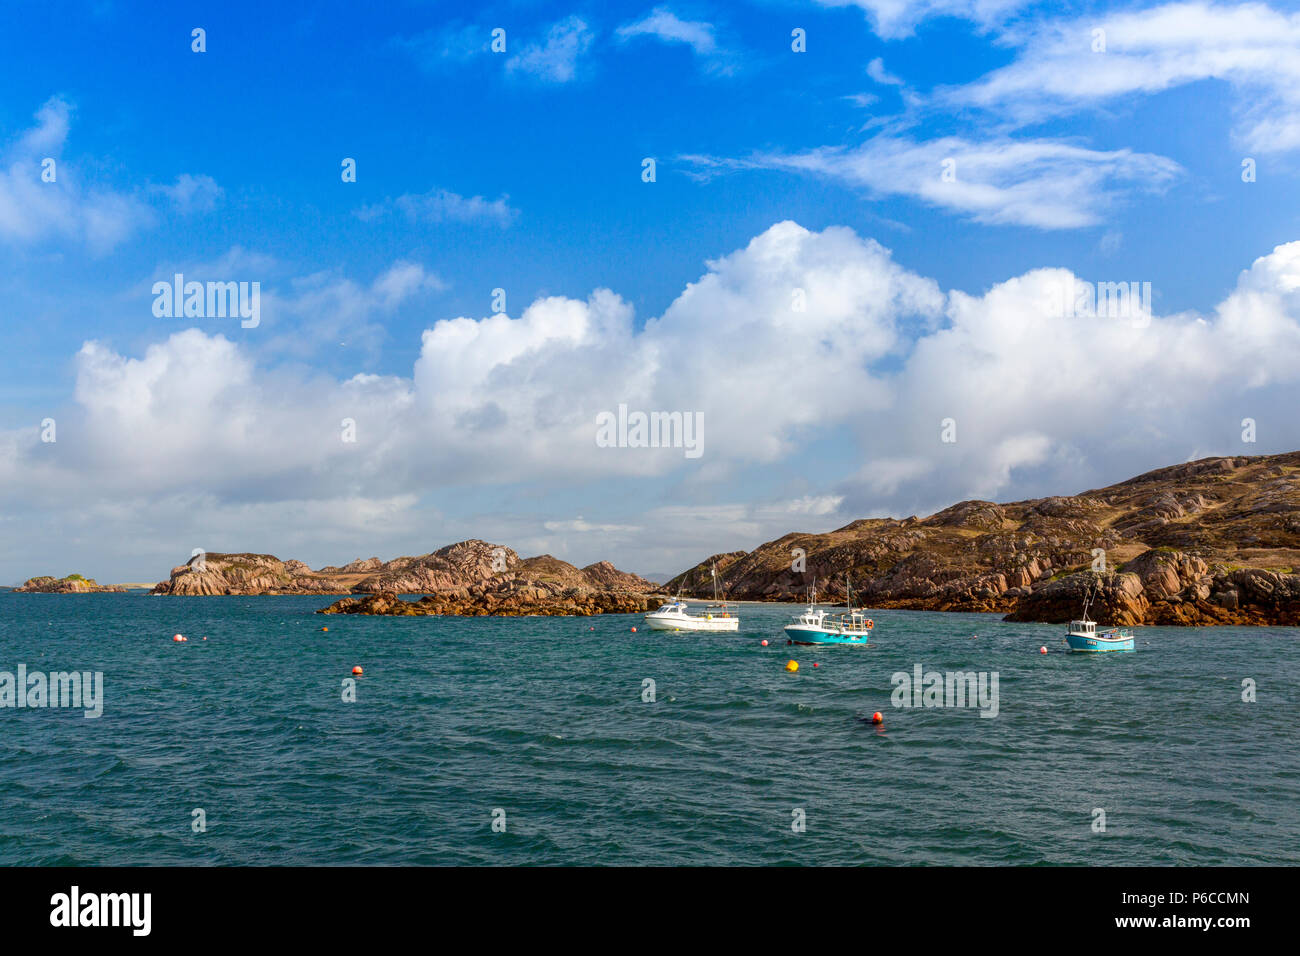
(1215, 541)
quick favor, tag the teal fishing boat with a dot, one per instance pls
(1084, 638)
(818, 626)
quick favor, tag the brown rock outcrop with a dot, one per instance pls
(215, 574)
(470, 578)
(513, 599)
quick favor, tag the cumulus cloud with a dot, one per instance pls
(1079, 401)
(1041, 183)
(781, 344)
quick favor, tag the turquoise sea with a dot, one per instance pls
(543, 719)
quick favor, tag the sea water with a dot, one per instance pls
(578, 741)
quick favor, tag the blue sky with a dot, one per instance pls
(522, 170)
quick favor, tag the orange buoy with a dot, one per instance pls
(357, 670)
(877, 718)
(1042, 650)
(324, 628)
(177, 638)
(765, 643)
(634, 630)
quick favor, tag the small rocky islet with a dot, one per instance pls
(72, 584)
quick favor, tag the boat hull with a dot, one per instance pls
(809, 635)
(1081, 644)
(670, 623)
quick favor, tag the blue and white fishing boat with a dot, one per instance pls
(1084, 638)
(817, 626)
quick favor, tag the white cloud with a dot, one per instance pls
(582, 526)
(1041, 183)
(555, 59)
(1252, 48)
(502, 399)
(895, 19)
(880, 356)
(454, 44)
(666, 26)
(876, 70)
(327, 309)
(442, 205)
(33, 210)
(40, 202)
(1085, 401)
(190, 194)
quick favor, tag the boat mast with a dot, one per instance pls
(1087, 598)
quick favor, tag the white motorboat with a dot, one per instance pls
(676, 616)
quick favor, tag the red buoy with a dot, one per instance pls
(876, 718)
(765, 643)
(1042, 650)
(357, 670)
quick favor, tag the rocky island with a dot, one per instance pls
(468, 578)
(543, 585)
(1215, 541)
(72, 584)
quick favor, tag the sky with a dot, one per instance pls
(855, 243)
